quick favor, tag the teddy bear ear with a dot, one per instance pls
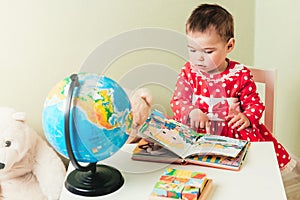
(19, 116)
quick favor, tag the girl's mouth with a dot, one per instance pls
(199, 66)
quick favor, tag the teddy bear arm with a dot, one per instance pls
(49, 170)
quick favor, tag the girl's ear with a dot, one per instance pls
(230, 45)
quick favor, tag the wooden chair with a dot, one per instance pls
(268, 79)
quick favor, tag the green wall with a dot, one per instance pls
(43, 41)
(276, 47)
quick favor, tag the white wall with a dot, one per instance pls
(43, 41)
(276, 46)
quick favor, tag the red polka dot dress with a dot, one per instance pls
(214, 95)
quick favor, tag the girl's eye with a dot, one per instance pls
(192, 50)
(7, 143)
(208, 52)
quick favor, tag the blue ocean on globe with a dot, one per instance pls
(101, 117)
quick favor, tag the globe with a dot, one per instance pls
(100, 117)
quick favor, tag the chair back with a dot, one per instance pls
(268, 79)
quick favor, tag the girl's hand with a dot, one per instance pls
(198, 119)
(237, 120)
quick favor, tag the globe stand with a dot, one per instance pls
(103, 180)
(93, 179)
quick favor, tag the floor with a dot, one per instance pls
(291, 182)
(292, 186)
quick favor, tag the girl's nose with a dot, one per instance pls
(201, 57)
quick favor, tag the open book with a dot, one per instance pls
(166, 140)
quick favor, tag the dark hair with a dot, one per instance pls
(208, 16)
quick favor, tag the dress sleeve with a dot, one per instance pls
(181, 102)
(251, 104)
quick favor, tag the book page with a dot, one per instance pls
(169, 133)
(216, 145)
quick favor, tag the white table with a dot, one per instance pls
(259, 177)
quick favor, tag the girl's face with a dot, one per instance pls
(208, 51)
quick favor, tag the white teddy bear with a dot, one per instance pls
(29, 167)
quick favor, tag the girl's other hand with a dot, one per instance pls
(237, 120)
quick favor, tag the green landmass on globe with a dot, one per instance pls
(101, 114)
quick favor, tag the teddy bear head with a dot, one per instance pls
(14, 140)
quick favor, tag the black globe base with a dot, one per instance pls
(104, 180)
